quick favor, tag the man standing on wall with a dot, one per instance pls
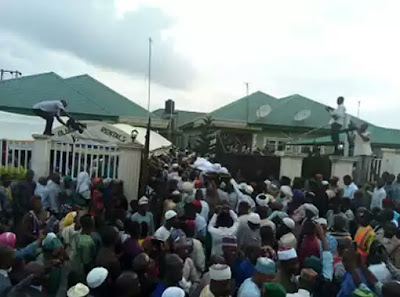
(337, 122)
(48, 110)
(362, 150)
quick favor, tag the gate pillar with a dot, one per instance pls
(129, 169)
(291, 165)
(342, 166)
(40, 160)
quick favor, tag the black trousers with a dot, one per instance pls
(335, 130)
(48, 117)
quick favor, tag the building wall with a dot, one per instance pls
(278, 139)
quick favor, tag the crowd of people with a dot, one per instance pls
(199, 232)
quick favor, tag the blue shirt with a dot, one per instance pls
(249, 289)
(348, 286)
(246, 270)
(332, 243)
(159, 290)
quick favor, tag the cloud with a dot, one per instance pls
(92, 31)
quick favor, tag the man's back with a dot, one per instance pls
(53, 107)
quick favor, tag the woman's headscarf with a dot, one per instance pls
(8, 239)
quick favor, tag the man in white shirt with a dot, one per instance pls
(48, 110)
(362, 149)
(349, 187)
(378, 195)
(337, 122)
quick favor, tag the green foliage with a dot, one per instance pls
(207, 128)
(14, 173)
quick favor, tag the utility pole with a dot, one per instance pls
(14, 73)
(247, 88)
(358, 110)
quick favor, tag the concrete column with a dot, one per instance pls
(129, 168)
(291, 165)
(390, 161)
(40, 160)
(342, 166)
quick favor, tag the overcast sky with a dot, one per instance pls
(204, 51)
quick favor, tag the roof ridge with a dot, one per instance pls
(84, 95)
(28, 76)
(108, 88)
(241, 100)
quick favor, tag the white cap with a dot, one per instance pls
(96, 277)
(173, 292)
(220, 272)
(312, 208)
(187, 187)
(143, 200)
(254, 218)
(263, 199)
(267, 182)
(248, 189)
(170, 214)
(176, 193)
(321, 221)
(79, 290)
(285, 254)
(289, 223)
(175, 166)
(325, 183)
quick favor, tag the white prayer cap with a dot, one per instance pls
(285, 254)
(96, 277)
(170, 214)
(187, 187)
(321, 221)
(263, 199)
(312, 208)
(325, 183)
(289, 223)
(175, 166)
(248, 189)
(79, 290)
(176, 193)
(143, 200)
(219, 272)
(254, 218)
(173, 292)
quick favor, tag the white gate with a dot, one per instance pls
(97, 159)
(15, 154)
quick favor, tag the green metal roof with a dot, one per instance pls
(246, 109)
(106, 97)
(182, 116)
(87, 98)
(297, 111)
